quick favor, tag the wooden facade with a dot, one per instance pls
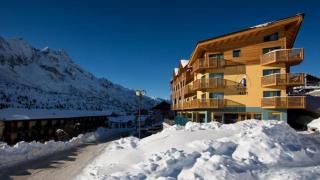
(241, 72)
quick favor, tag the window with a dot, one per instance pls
(216, 56)
(275, 116)
(271, 93)
(257, 116)
(270, 71)
(216, 95)
(236, 53)
(216, 75)
(266, 50)
(272, 37)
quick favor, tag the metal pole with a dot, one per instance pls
(139, 116)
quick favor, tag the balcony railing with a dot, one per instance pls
(289, 56)
(287, 102)
(189, 89)
(206, 104)
(287, 79)
(209, 83)
(211, 63)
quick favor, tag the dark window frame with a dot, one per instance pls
(269, 49)
(266, 72)
(271, 37)
(236, 53)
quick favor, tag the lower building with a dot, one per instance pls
(43, 125)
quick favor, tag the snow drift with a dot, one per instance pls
(250, 149)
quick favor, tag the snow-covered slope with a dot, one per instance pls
(47, 78)
(245, 150)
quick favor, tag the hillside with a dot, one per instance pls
(49, 79)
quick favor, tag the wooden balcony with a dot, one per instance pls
(287, 102)
(188, 90)
(215, 83)
(209, 83)
(288, 56)
(288, 79)
(204, 104)
(202, 64)
(177, 106)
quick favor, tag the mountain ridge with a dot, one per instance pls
(48, 78)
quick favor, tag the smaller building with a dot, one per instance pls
(42, 124)
(162, 111)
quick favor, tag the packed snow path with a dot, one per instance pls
(62, 165)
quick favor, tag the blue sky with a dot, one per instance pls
(138, 43)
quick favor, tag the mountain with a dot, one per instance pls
(49, 79)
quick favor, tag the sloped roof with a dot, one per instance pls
(176, 71)
(260, 26)
(184, 62)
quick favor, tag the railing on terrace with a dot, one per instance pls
(212, 63)
(287, 102)
(290, 56)
(204, 103)
(210, 103)
(215, 83)
(287, 79)
(188, 89)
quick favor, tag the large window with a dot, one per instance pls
(216, 56)
(271, 37)
(271, 93)
(216, 95)
(266, 50)
(270, 71)
(274, 116)
(216, 75)
(236, 53)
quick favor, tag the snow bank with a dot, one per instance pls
(245, 150)
(24, 151)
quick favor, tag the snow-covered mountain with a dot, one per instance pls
(49, 79)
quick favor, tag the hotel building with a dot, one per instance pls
(241, 75)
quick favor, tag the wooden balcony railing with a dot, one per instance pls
(215, 83)
(209, 83)
(289, 56)
(206, 104)
(189, 89)
(287, 102)
(287, 79)
(212, 63)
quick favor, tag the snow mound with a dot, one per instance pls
(192, 126)
(249, 149)
(123, 143)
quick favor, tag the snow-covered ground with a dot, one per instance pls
(24, 151)
(249, 149)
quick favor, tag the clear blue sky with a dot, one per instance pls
(138, 43)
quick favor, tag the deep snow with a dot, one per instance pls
(249, 149)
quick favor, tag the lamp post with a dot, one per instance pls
(140, 93)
